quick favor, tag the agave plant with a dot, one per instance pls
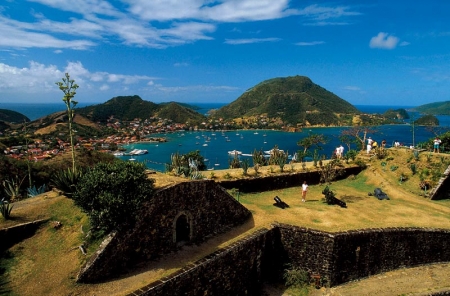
(12, 188)
(33, 191)
(5, 208)
(66, 180)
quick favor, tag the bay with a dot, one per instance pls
(216, 151)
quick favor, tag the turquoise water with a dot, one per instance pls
(217, 150)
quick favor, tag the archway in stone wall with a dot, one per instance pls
(182, 230)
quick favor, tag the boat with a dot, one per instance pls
(138, 152)
(132, 159)
(118, 153)
(235, 152)
(255, 133)
(204, 145)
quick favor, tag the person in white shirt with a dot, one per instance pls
(436, 143)
(369, 145)
(304, 191)
(341, 151)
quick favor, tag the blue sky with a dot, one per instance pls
(366, 52)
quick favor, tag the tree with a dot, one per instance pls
(111, 194)
(69, 87)
(312, 140)
(347, 140)
(359, 133)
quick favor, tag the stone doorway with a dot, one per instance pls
(182, 228)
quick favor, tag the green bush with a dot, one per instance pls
(5, 208)
(112, 193)
(295, 277)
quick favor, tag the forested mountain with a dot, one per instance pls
(436, 108)
(179, 114)
(429, 120)
(396, 114)
(12, 116)
(291, 100)
(130, 107)
(122, 107)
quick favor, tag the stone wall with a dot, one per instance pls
(206, 208)
(240, 268)
(12, 235)
(345, 256)
(442, 189)
(280, 181)
(237, 269)
(363, 253)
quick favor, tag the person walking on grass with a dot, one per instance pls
(304, 190)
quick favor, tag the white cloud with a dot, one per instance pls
(322, 15)
(40, 78)
(155, 23)
(310, 43)
(352, 88)
(180, 64)
(206, 10)
(251, 40)
(37, 82)
(384, 41)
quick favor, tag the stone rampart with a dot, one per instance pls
(333, 258)
(185, 213)
(280, 181)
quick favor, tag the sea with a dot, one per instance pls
(215, 145)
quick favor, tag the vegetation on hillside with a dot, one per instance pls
(398, 114)
(430, 120)
(180, 114)
(436, 108)
(13, 170)
(111, 194)
(12, 116)
(128, 108)
(293, 100)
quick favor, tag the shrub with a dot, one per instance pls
(361, 164)
(67, 180)
(413, 168)
(5, 208)
(258, 158)
(245, 164)
(111, 194)
(416, 154)
(12, 188)
(33, 191)
(295, 277)
(381, 153)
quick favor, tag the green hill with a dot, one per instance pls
(292, 100)
(436, 108)
(180, 114)
(130, 107)
(396, 114)
(429, 120)
(12, 116)
(122, 107)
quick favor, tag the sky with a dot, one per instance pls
(384, 52)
